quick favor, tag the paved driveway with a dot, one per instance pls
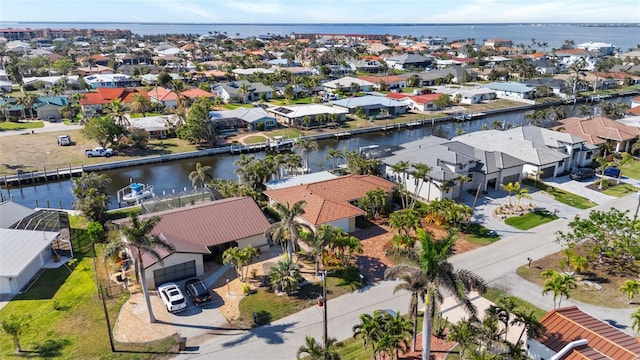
(579, 188)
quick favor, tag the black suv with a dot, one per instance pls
(582, 174)
(197, 291)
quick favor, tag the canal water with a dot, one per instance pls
(174, 176)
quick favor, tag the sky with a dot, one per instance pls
(322, 11)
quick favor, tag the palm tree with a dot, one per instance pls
(462, 180)
(635, 320)
(530, 323)
(401, 168)
(415, 282)
(439, 273)
(140, 104)
(305, 146)
(335, 155)
(318, 241)
(559, 284)
(244, 89)
(116, 112)
(137, 236)
(315, 351)
(201, 174)
(285, 275)
(463, 334)
(420, 173)
(370, 329)
(631, 288)
(287, 227)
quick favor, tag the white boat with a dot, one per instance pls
(135, 192)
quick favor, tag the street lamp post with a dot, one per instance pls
(325, 337)
(637, 207)
(228, 291)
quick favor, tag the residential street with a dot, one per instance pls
(496, 263)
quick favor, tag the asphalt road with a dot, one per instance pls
(496, 263)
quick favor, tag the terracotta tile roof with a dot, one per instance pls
(634, 111)
(377, 79)
(397, 96)
(105, 95)
(329, 200)
(604, 341)
(196, 93)
(424, 99)
(163, 94)
(597, 130)
(194, 229)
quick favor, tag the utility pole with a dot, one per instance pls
(324, 320)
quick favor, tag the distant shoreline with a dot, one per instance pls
(587, 24)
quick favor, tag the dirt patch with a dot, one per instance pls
(596, 285)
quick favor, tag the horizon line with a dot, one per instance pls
(318, 23)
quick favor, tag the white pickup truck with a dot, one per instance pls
(99, 151)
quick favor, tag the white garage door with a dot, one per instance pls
(175, 272)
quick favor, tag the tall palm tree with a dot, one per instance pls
(335, 155)
(318, 241)
(529, 322)
(136, 235)
(287, 227)
(201, 174)
(117, 112)
(420, 173)
(560, 284)
(439, 273)
(401, 168)
(415, 282)
(305, 146)
(315, 351)
(463, 334)
(462, 180)
(140, 104)
(244, 89)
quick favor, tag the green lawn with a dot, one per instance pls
(478, 234)
(531, 219)
(271, 307)
(254, 139)
(632, 170)
(493, 294)
(65, 317)
(621, 190)
(562, 196)
(7, 125)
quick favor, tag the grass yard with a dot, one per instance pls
(531, 219)
(271, 307)
(7, 125)
(621, 190)
(254, 139)
(65, 317)
(480, 235)
(632, 170)
(562, 196)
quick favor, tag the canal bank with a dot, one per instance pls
(170, 173)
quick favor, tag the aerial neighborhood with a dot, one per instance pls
(504, 239)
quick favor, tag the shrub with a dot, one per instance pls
(246, 288)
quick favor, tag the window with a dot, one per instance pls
(589, 155)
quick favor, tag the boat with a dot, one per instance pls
(134, 193)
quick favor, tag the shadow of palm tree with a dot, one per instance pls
(271, 333)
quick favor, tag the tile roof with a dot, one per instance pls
(194, 229)
(163, 94)
(195, 93)
(598, 129)
(329, 200)
(105, 95)
(604, 341)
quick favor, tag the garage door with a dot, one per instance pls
(510, 179)
(547, 172)
(175, 272)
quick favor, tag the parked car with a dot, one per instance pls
(582, 174)
(197, 291)
(172, 297)
(64, 140)
(99, 151)
(612, 171)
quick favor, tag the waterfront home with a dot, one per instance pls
(332, 201)
(452, 73)
(467, 95)
(598, 130)
(243, 91)
(571, 333)
(349, 84)
(199, 231)
(417, 102)
(511, 90)
(50, 81)
(601, 48)
(567, 57)
(95, 101)
(365, 65)
(546, 153)
(158, 127)
(30, 240)
(372, 105)
(558, 86)
(255, 118)
(296, 115)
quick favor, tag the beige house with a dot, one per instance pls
(200, 230)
